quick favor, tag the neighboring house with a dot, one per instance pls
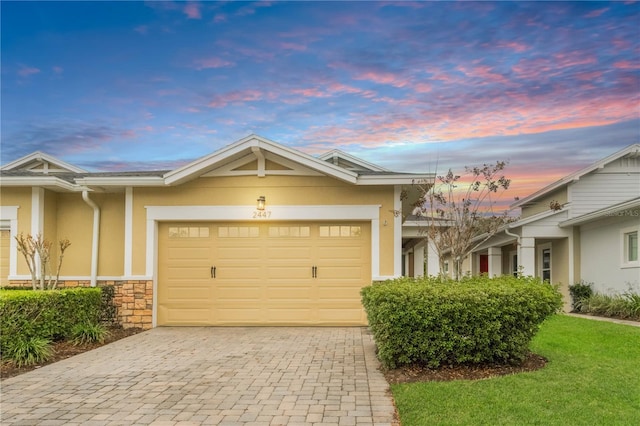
(590, 235)
(255, 233)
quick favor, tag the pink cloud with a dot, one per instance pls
(239, 96)
(58, 70)
(214, 62)
(26, 71)
(627, 65)
(382, 78)
(220, 17)
(515, 46)
(293, 46)
(596, 13)
(192, 10)
(485, 73)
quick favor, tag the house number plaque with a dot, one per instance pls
(261, 214)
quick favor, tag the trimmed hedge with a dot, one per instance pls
(48, 314)
(436, 322)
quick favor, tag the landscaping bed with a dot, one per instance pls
(422, 373)
(64, 349)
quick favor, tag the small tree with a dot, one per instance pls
(39, 249)
(455, 215)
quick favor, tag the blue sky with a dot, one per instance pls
(413, 86)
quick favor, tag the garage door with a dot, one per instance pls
(263, 274)
(5, 239)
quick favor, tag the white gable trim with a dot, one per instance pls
(633, 150)
(209, 162)
(42, 158)
(337, 154)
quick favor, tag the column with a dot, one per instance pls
(495, 261)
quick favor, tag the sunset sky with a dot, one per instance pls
(412, 86)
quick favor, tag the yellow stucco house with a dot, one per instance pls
(254, 234)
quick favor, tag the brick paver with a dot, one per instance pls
(210, 376)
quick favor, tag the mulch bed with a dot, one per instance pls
(64, 349)
(419, 373)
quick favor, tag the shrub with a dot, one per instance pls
(435, 321)
(50, 314)
(625, 306)
(579, 293)
(88, 333)
(28, 350)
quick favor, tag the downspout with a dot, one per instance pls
(96, 237)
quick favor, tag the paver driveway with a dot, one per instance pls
(205, 375)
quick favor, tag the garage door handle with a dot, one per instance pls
(213, 272)
(314, 272)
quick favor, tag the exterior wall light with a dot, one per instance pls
(261, 202)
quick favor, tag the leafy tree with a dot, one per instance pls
(458, 208)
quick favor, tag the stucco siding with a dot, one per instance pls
(75, 223)
(278, 190)
(111, 249)
(601, 257)
(50, 227)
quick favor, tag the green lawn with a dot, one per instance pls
(592, 378)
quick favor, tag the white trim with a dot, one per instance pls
(87, 278)
(539, 267)
(43, 181)
(397, 231)
(157, 214)
(128, 230)
(393, 179)
(626, 208)
(41, 157)
(239, 148)
(10, 213)
(119, 181)
(633, 149)
(624, 263)
(336, 153)
(37, 219)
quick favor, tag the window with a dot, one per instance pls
(630, 247)
(513, 263)
(188, 232)
(340, 231)
(238, 232)
(631, 242)
(544, 262)
(289, 231)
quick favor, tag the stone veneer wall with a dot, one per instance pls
(133, 299)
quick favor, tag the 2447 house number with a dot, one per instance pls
(261, 214)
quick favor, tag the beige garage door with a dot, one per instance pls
(263, 274)
(5, 239)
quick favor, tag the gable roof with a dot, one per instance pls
(252, 155)
(40, 162)
(257, 146)
(340, 158)
(632, 151)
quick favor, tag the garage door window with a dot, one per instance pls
(238, 232)
(340, 231)
(289, 231)
(188, 232)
